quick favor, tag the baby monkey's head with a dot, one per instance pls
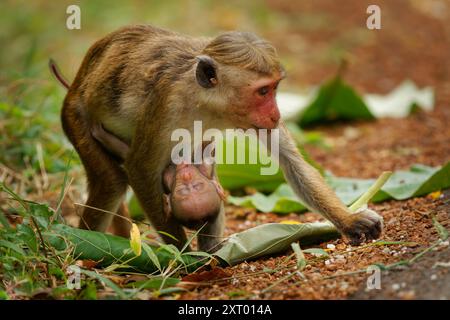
(193, 195)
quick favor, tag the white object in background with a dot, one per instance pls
(291, 105)
(397, 103)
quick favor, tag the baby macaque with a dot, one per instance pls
(192, 194)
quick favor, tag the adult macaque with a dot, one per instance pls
(141, 83)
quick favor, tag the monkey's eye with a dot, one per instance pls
(263, 90)
(198, 186)
(183, 191)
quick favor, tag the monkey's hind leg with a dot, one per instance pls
(107, 181)
(121, 223)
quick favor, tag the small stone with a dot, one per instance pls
(244, 266)
(395, 286)
(442, 264)
(433, 277)
(407, 295)
(444, 243)
(344, 286)
(332, 267)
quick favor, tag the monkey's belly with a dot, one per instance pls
(119, 126)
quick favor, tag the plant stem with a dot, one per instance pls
(371, 191)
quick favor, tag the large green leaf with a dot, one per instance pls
(234, 175)
(282, 200)
(272, 238)
(419, 180)
(335, 100)
(108, 249)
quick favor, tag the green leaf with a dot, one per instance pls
(4, 221)
(238, 293)
(151, 255)
(107, 282)
(282, 200)
(154, 283)
(170, 290)
(27, 235)
(442, 231)
(135, 209)
(301, 261)
(317, 251)
(41, 213)
(89, 292)
(271, 238)
(12, 246)
(3, 295)
(235, 175)
(108, 250)
(335, 101)
(419, 180)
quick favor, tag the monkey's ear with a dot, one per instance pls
(169, 178)
(206, 72)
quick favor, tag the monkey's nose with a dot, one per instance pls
(186, 176)
(275, 116)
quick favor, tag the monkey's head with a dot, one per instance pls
(193, 198)
(238, 74)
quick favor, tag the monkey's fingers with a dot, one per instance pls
(366, 224)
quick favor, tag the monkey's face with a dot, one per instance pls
(258, 100)
(194, 198)
(245, 97)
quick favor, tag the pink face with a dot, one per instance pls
(194, 197)
(262, 112)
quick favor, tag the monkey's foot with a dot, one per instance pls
(209, 245)
(365, 224)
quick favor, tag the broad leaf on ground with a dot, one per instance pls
(417, 181)
(336, 100)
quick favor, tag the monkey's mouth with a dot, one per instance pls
(195, 224)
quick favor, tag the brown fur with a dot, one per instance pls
(139, 83)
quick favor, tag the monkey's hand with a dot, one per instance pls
(364, 224)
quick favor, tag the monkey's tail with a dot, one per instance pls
(54, 69)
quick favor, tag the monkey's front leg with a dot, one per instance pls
(211, 236)
(144, 169)
(309, 185)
